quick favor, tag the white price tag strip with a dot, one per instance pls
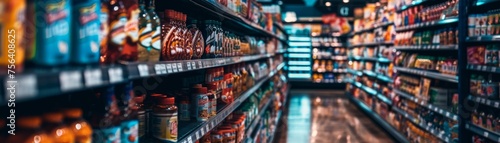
(115, 75)
(93, 77)
(190, 139)
(169, 68)
(193, 64)
(143, 70)
(496, 104)
(485, 134)
(200, 65)
(179, 66)
(70, 80)
(174, 67)
(26, 88)
(188, 65)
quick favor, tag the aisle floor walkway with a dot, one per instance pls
(326, 116)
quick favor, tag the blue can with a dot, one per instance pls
(85, 31)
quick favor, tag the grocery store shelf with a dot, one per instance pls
(485, 101)
(493, 136)
(195, 131)
(427, 47)
(370, 73)
(435, 75)
(427, 24)
(364, 58)
(484, 68)
(355, 72)
(378, 76)
(42, 83)
(230, 17)
(332, 58)
(327, 45)
(379, 120)
(365, 44)
(372, 92)
(329, 81)
(425, 104)
(373, 28)
(334, 71)
(273, 134)
(428, 128)
(256, 120)
(493, 38)
(413, 3)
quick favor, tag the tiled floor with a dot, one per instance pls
(327, 117)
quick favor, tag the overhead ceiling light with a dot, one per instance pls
(345, 1)
(328, 4)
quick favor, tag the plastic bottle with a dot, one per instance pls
(131, 50)
(117, 34)
(105, 117)
(129, 123)
(27, 129)
(145, 32)
(50, 43)
(85, 31)
(12, 20)
(56, 129)
(81, 129)
(164, 118)
(154, 52)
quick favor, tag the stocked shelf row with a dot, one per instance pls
(231, 17)
(384, 60)
(429, 106)
(427, 47)
(426, 25)
(200, 129)
(42, 83)
(435, 75)
(483, 132)
(378, 76)
(427, 127)
(332, 58)
(371, 44)
(257, 119)
(385, 24)
(379, 120)
(372, 92)
(485, 101)
(492, 38)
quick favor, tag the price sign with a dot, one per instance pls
(161, 69)
(174, 67)
(488, 102)
(496, 104)
(200, 65)
(143, 70)
(483, 100)
(430, 106)
(202, 131)
(484, 68)
(455, 117)
(493, 69)
(478, 99)
(179, 66)
(190, 140)
(27, 85)
(193, 64)
(93, 77)
(188, 65)
(70, 80)
(478, 68)
(115, 75)
(169, 68)
(485, 134)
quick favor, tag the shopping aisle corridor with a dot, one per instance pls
(326, 116)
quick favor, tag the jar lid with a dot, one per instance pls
(29, 122)
(53, 117)
(73, 113)
(166, 101)
(139, 99)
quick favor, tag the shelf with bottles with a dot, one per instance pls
(415, 128)
(375, 26)
(436, 39)
(404, 5)
(491, 136)
(261, 110)
(484, 27)
(435, 125)
(485, 122)
(326, 42)
(443, 110)
(485, 101)
(440, 13)
(330, 53)
(437, 67)
(67, 80)
(328, 78)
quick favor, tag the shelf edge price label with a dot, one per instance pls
(496, 104)
(493, 69)
(455, 117)
(447, 114)
(488, 102)
(115, 75)
(70, 80)
(485, 134)
(143, 70)
(174, 67)
(169, 68)
(93, 77)
(190, 139)
(160, 69)
(28, 84)
(200, 65)
(180, 67)
(188, 65)
(193, 64)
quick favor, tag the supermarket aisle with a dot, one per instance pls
(328, 117)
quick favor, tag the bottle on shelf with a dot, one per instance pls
(197, 41)
(129, 117)
(188, 36)
(85, 31)
(171, 39)
(145, 33)
(142, 116)
(155, 50)
(103, 30)
(56, 129)
(28, 129)
(164, 118)
(81, 128)
(105, 118)
(116, 37)
(131, 51)
(13, 26)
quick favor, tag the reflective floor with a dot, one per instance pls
(327, 117)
